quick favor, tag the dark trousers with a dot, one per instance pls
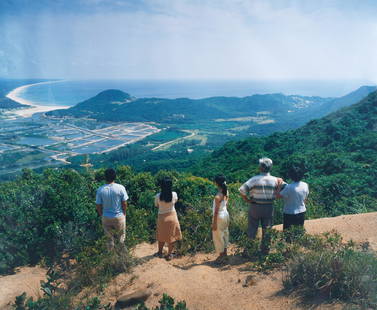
(293, 220)
(264, 215)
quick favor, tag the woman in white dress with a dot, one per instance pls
(220, 219)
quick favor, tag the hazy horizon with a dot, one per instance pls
(273, 40)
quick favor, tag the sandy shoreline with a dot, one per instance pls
(15, 95)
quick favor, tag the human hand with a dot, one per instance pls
(279, 184)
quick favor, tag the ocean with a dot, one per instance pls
(71, 92)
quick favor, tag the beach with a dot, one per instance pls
(16, 93)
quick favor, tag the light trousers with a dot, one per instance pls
(115, 230)
(221, 234)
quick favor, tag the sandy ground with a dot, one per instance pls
(206, 286)
(27, 112)
(360, 228)
(26, 279)
(202, 284)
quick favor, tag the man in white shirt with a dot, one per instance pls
(111, 203)
(259, 192)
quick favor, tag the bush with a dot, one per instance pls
(196, 229)
(334, 270)
(96, 265)
(166, 303)
(94, 268)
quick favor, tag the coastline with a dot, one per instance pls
(15, 95)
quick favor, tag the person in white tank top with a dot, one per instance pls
(220, 219)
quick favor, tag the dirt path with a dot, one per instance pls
(27, 279)
(203, 285)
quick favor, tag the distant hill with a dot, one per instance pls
(6, 85)
(6, 103)
(104, 103)
(115, 105)
(286, 111)
(346, 100)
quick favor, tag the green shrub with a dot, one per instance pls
(196, 229)
(166, 303)
(334, 270)
(96, 265)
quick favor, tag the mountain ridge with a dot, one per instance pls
(116, 105)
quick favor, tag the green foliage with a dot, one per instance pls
(166, 303)
(94, 268)
(338, 153)
(58, 303)
(334, 270)
(196, 230)
(45, 216)
(96, 265)
(45, 303)
(53, 214)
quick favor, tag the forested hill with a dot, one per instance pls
(340, 152)
(115, 105)
(6, 103)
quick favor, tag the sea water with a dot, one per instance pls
(71, 92)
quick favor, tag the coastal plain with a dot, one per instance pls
(41, 140)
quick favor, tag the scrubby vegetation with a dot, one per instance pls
(50, 217)
(166, 303)
(334, 270)
(51, 214)
(340, 152)
(68, 280)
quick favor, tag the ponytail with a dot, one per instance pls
(220, 181)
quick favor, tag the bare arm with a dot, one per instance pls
(244, 191)
(216, 212)
(245, 198)
(124, 207)
(99, 209)
(279, 185)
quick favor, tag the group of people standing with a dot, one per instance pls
(259, 192)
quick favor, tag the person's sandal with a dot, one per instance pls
(158, 254)
(169, 257)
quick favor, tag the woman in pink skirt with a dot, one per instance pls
(168, 229)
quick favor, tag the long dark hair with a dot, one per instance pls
(220, 181)
(166, 190)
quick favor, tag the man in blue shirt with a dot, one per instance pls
(111, 202)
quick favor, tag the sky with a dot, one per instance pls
(189, 39)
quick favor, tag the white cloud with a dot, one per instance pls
(206, 39)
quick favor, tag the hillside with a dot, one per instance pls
(7, 85)
(207, 124)
(116, 105)
(339, 151)
(198, 281)
(8, 104)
